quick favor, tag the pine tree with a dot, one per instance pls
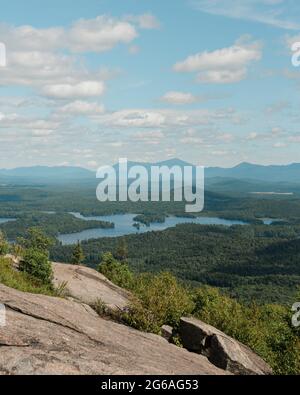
(77, 256)
(122, 251)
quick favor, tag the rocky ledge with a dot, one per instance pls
(48, 335)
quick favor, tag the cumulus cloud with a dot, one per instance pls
(174, 97)
(51, 59)
(85, 35)
(152, 137)
(135, 118)
(226, 65)
(80, 107)
(68, 91)
(99, 34)
(164, 118)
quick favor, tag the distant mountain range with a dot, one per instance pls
(248, 171)
(244, 171)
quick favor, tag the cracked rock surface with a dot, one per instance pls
(222, 350)
(47, 335)
(87, 285)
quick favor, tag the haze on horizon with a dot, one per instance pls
(211, 83)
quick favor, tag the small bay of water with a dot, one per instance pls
(4, 220)
(124, 226)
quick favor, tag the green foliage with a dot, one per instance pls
(77, 256)
(36, 263)
(150, 218)
(121, 253)
(61, 289)
(100, 307)
(159, 300)
(22, 281)
(250, 262)
(35, 239)
(265, 329)
(17, 250)
(4, 246)
(115, 271)
(51, 224)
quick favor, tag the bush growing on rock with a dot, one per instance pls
(115, 271)
(160, 300)
(265, 329)
(4, 246)
(37, 264)
(36, 239)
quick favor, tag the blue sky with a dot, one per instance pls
(88, 82)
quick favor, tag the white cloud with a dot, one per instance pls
(48, 59)
(291, 40)
(135, 118)
(99, 34)
(226, 65)
(222, 76)
(279, 145)
(253, 136)
(68, 91)
(41, 132)
(294, 139)
(225, 137)
(220, 152)
(191, 140)
(174, 97)
(149, 137)
(145, 21)
(279, 13)
(134, 49)
(85, 35)
(165, 118)
(79, 107)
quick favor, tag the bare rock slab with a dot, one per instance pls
(221, 350)
(47, 335)
(87, 285)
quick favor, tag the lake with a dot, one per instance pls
(124, 226)
(4, 220)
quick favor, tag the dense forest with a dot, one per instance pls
(249, 262)
(52, 224)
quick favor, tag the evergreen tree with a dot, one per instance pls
(121, 253)
(78, 255)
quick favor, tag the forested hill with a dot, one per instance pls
(250, 262)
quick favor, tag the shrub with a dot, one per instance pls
(4, 246)
(37, 264)
(218, 310)
(37, 240)
(116, 271)
(161, 300)
(21, 280)
(265, 329)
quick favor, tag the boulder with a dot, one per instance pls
(48, 335)
(221, 350)
(87, 285)
(167, 332)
